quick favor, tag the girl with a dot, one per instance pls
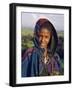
(42, 59)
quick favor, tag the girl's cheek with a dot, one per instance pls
(47, 40)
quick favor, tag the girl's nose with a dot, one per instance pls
(43, 40)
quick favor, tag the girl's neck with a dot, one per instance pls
(45, 52)
(46, 56)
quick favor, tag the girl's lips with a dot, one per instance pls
(42, 45)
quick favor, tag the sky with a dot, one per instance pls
(29, 20)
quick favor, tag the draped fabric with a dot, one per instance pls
(33, 66)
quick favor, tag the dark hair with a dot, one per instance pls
(45, 23)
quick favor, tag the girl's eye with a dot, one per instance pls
(46, 36)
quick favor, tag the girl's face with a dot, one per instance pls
(44, 37)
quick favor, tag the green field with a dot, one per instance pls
(60, 33)
(27, 32)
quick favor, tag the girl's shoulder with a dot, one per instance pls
(28, 52)
(55, 58)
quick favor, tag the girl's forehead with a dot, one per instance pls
(45, 30)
